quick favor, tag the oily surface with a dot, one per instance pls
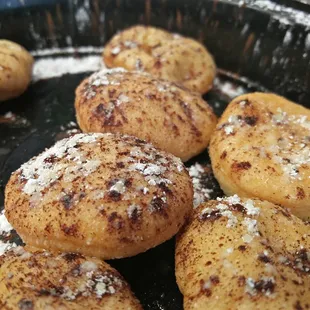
(261, 148)
(168, 115)
(16, 69)
(102, 195)
(42, 280)
(243, 254)
(164, 55)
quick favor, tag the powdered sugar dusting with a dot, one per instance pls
(68, 50)
(234, 122)
(6, 246)
(292, 151)
(201, 193)
(157, 169)
(102, 78)
(228, 88)
(5, 226)
(41, 171)
(154, 170)
(53, 67)
(226, 208)
(5, 232)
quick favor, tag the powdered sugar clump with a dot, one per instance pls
(251, 226)
(233, 123)
(118, 187)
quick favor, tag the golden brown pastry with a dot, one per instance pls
(101, 195)
(45, 281)
(171, 117)
(164, 55)
(261, 148)
(15, 69)
(244, 254)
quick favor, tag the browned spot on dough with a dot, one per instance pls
(251, 120)
(69, 257)
(242, 248)
(115, 220)
(238, 207)
(223, 155)
(25, 304)
(264, 258)
(285, 212)
(114, 195)
(158, 205)
(300, 193)
(70, 230)
(157, 64)
(239, 166)
(214, 280)
(212, 216)
(120, 165)
(67, 201)
(298, 306)
(241, 281)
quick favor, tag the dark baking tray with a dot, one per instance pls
(258, 49)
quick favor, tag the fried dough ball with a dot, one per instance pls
(45, 281)
(102, 195)
(171, 117)
(261, 148)
(164, 55)
(240, 254)
(15, 69)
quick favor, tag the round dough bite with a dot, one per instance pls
(261, 148)
(42, 280)
(102, 195)
(15, 69)
(164, 55)
(164, 113)
(239, 254)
